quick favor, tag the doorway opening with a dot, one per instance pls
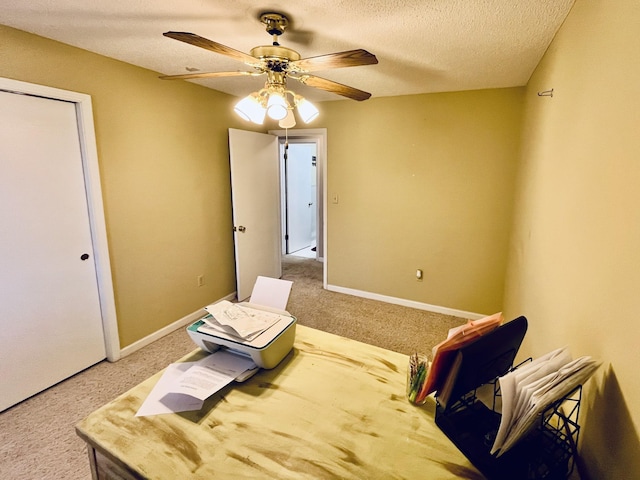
(298, 160)
(303, 193)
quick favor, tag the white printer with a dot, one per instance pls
(266, 350)
(266, 347)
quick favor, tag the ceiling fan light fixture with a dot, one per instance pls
(250, 108)
(289, 121)
(278, 63)
(277, 106)
(307, 110)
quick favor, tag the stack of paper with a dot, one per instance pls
(185, 386)
(444, 353)
(529, 390)
(238, 320)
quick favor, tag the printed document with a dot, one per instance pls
(238, 320)
(530, 389)
(185, 386)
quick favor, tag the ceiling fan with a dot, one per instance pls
(279, 64)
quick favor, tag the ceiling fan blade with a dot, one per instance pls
(198, 41)
(187, 76)
(333, 87)
(350, 58)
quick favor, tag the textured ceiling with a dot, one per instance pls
(422, 45)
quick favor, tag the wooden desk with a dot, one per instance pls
(333, 408)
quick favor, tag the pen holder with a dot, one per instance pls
(417, 372)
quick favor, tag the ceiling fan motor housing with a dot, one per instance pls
(275, 53)
(275, 23)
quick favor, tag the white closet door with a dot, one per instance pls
(50, 318)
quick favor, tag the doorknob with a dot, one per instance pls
(310, 204)
(84, 256)
(240, 229)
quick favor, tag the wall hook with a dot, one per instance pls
(546, 93)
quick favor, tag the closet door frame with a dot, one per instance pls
(91, 169)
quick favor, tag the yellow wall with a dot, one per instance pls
(163, 155)
(423, 182)
(574, 267)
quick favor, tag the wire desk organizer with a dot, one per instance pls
(471, 417)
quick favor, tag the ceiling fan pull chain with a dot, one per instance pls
(286, 144)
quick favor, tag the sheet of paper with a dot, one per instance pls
(184, 386)
(570, 380)
(153, 404)
(211, 374)
(238, 320)
(271, 292)
(535, 390)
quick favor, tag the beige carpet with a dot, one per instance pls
(393, 327)
(37, 436)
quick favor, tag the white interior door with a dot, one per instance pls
(256, 207)
(301, 196)
(50, 317)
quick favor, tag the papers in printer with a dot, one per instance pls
(238, 320)
(185, 386)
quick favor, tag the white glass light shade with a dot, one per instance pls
(289, 121)
(251, 109)
(276, 106)
(306, 109)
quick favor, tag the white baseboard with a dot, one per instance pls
(184, 321)
(192, 317)
(406, 303)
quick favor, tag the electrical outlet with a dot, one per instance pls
(200, 279)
